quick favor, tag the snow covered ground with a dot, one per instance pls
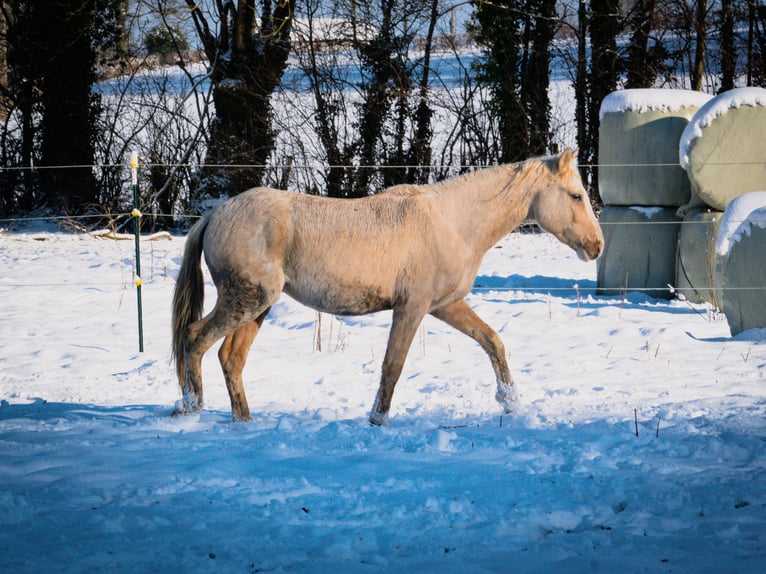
(96, 477)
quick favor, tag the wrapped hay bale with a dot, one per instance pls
(639, 250)
(638, 146)
(696, 259)
(740, 273)
(722, 147)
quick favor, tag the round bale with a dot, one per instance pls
(722, 147)
(696, 259)
(638, 146)
(740, 274)
(639, 250)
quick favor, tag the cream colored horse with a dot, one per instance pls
(413, 249)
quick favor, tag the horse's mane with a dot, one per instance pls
(514, 169)
(517, 169)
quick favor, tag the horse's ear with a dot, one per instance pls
(567, 159)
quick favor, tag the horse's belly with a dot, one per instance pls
(340, 298)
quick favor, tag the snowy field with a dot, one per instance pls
(96, 477)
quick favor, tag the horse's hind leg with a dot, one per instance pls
(232, 355)
(460, 316)
(201, 336)
(239, 304)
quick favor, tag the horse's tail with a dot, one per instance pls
(189, 295)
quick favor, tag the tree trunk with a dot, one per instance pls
(537, 79)
(700, 28)
(500, 28)
(756, 44)
(3, 64)
(68, 108)
(728, 54)
(581, 91)
(246, 66)
(241, 139)
(639, 73)
(604, 27)
(420, 150)
(377, 57)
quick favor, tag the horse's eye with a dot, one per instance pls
(575, 196)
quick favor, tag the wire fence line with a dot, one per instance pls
(589, 290)
(526, 223)
(316, 166)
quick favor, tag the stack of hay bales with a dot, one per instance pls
(723, 154)
(642, 187)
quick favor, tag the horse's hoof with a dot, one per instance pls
(242, 419)
(508, 398)
(378, 419)
(183, 409)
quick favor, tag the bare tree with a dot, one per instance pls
(164, 116)
(582, 96)
(756, 43)
(371, 93)
(605, 25)
(536, 73)
(51, 107)
(699, 21)
(640, 71)
(324, 40)
(728, 53)
(420, 150)
(247, 54)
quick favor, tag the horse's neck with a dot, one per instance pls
(486, 205)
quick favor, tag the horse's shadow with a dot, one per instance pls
(42, 410)
(581, 293)
(563, 287)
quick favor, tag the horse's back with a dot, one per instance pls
(277, 216)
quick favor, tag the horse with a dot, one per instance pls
(412, 249)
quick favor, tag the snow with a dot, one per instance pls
(642, 100)
(741, 214)
(95, 476)
(714, 108)
(648, 212)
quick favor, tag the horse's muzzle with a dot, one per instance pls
(590, 250)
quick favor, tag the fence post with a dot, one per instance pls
(136, 230)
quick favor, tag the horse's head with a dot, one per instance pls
(561, 206)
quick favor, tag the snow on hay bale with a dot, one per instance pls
(638, 146)
(639, 250)
(722, 148)
(740, 273)
(696, 259)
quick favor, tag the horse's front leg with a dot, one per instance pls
(404, 325)
(460, 316)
